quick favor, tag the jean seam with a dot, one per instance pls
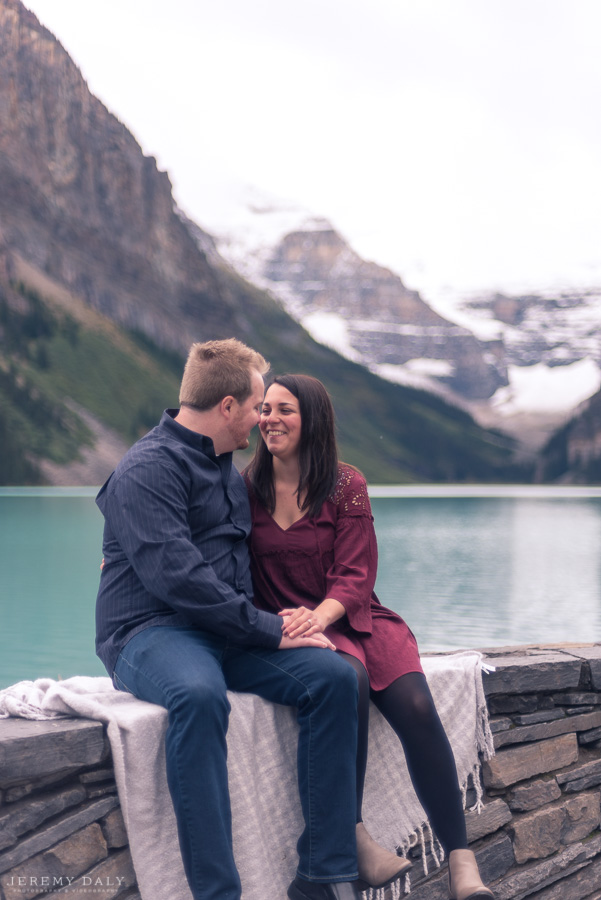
(328, 879)
(122, 686)
(310, 790)
(192, 850)
(284, 671)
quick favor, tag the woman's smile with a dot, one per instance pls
(280, 423)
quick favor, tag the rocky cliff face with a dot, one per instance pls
(387, 325)
(553, 327)
(90, 240)
(80, 202)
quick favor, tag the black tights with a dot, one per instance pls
(408, 706)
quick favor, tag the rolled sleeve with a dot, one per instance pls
(352, 576)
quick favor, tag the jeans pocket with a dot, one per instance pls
(119, 685)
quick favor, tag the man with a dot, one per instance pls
(176, 627)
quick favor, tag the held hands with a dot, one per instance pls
(307, 623)
(302, 622)
(316, 640)
(303, 628)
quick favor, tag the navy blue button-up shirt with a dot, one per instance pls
(175, 549)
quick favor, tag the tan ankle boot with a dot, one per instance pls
(377, 866)
(464, 878)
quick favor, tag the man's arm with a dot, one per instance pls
(146, 508)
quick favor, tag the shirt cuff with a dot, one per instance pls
(269, 627)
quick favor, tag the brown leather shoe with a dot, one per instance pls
(464, 878)
(377, 866)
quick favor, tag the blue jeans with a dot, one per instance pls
(188, 671)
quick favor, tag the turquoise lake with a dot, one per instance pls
(466, 567)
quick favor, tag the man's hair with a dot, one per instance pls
(217, 369)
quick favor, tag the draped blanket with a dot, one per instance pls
(262, 740)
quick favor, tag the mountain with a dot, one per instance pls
(552, 344)
(521, 363)
(573, 454)
(104, 284)
(554, 327)
(82, 204)
(361, 308)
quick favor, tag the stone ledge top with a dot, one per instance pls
(37, 748)
(520, 677)
(533, 668)
(21, 729)
(579, 649)
(528, 654)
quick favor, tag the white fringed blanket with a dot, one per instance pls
(262, 741)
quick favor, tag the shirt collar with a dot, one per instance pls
(192, 438)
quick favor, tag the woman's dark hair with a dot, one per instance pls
(318, 454)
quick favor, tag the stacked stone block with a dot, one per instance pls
(538, 835)
(61, 828)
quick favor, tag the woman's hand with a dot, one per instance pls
(303, 622)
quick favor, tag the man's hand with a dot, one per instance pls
(316, 640)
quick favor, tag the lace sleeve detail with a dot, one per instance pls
(350, 494)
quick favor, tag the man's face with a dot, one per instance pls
(246, 415)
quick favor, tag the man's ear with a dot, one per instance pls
(226, 406)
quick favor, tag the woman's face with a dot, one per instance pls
(280, 423)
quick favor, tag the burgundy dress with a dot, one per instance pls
(333, 555)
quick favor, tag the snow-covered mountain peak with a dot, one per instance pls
(522, 359)
(253, 222)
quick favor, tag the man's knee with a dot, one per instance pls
(337, 679)
(202, 700)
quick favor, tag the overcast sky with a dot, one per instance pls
(456, 141)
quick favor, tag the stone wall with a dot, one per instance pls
(538, 835)
(61, 829)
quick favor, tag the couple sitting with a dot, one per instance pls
(179, 623)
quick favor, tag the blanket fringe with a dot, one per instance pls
(392, 891)
(477, 781)
(484, 737)
(424, 837)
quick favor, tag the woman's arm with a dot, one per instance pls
(351, 577)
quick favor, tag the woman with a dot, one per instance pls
(314, 560)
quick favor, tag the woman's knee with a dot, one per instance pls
(408, 700)
(421, 707)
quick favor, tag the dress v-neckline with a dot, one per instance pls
(281, 527)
